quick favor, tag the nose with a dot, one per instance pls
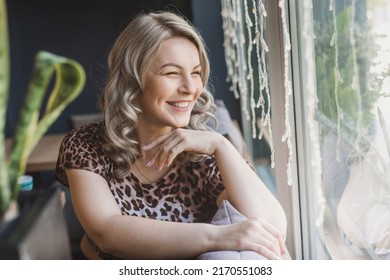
(188, 85)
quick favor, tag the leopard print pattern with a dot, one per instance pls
(187, 193)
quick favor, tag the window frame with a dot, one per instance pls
(289, 196)
(305, 240)
(321, 241)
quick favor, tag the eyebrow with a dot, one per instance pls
(177, 66)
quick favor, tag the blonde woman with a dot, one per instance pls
(146, 181)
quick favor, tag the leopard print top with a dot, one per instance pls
(187, 193)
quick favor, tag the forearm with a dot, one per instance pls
(245, 189)
(142, 238)
(131, 237)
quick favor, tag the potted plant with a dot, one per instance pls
(32, 125)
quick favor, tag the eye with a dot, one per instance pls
(173, 73)
(197, 73)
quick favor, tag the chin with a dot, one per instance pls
(177, 121)
(180, 124)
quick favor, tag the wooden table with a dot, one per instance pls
(44, 155)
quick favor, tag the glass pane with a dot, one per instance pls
(352, 57)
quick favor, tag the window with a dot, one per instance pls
(341, 78)
(336, 191)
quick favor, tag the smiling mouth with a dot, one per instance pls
(181, 104)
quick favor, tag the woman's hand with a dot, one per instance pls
(168, 146)
(254, 234)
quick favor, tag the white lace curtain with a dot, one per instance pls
(333, 40)
(246, 55)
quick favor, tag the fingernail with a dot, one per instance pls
(149, 163)
(157, 167)
(143, 147)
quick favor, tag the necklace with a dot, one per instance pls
(136, 166)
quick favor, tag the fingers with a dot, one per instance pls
(280, 238)
(156, 142)
(166, 149)
(167, 152)
(269, 245)
(265, 246)
(263, 238)
(265, 252)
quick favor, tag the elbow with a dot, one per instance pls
(103, 244)
(281, 221)
(280, 217)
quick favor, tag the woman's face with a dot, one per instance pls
(173, 84)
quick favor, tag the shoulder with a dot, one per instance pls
(84, 143)
(82, 148)
(88, 133)
(85, 138)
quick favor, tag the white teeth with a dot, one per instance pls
(180, 104)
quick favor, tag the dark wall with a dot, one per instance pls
(207, 17)
(80, 29)
(85, 30)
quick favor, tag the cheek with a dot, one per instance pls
(198, 94)
(200, 90)
(199, 86)
(154, 93)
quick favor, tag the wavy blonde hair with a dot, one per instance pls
(128, 62)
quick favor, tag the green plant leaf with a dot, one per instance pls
(5, 192)
(69, 82)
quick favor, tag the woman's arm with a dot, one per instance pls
(247, 192)
(127, 236)
(243, 188)
(130, 237)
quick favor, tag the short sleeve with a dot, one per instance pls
(82, 149)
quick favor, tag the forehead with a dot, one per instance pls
(178, 50)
